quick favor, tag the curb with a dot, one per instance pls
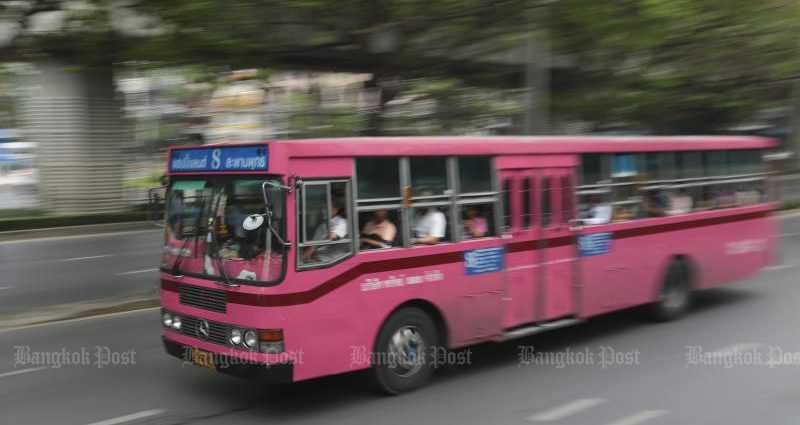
(62, 312)
(81, 230)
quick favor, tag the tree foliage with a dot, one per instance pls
(667, 66)
(676, 66)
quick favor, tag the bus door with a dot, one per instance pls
(557, 244)
(520, 230)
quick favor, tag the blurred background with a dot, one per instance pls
(92, 92)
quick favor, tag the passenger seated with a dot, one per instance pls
(655, 203)
(681, 203)
(747, 197)
(726, 198)
(333, 230)
(475, 226)
(379, 232)
(704, 203)
(430, 226)
(600, 212)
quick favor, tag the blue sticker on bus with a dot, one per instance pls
(220, 158)
(594, 244)
(484, 260)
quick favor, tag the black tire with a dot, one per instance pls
(397, 373)
(675, 294)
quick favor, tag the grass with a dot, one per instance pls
(150, 180)
(6, 213)
(790, 204)
(38, 220)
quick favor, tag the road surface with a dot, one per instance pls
(659, 378)
(44, 272)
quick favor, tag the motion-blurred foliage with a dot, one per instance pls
(668, 66)
(676, 66)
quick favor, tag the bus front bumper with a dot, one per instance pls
(270, 373)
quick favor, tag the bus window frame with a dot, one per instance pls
(453, 201)
(300, 230)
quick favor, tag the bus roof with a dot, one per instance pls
(515, 145)
(501, 145)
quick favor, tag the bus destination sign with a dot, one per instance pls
(219, 159)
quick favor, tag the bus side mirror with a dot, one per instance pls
(155, 205)
(274, 197)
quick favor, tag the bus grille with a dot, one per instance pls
(217, 332)
(205, 298)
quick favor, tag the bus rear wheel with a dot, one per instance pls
(402, 354)
(675, 295)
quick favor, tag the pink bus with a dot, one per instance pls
(291, 260)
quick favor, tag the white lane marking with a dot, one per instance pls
(132, 417)
(566, 409)
(789, 234)
(5, 287)
(790, 215)
(21, 371)
(779, 267)
(137, 271)
(93, 235)
(639, 417)
(85, 258)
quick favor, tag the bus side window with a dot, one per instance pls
(567, 203)
(324, 234)
(477, 221)
(547, 212)
(527, 214)
(380, 229)
(506, 205)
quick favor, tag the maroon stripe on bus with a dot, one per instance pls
(342, 279)
(168, 285)
(668, 227)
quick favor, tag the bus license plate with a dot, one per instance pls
(203, 359)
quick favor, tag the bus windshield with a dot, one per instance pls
(205, 234)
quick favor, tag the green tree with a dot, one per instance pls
(675, 66)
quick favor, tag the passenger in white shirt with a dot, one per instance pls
(430, 225)
(600, 212)
(334, 229)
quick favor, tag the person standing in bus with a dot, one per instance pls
(429, 226)
(379, 232)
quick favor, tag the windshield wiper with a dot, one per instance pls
(215, 249)
(177, 263)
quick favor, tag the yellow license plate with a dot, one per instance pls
(203, 359)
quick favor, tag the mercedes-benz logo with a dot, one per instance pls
(202, 329)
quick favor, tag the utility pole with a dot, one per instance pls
(537, 75)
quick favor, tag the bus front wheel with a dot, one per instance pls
(402, 357)
(675, 294)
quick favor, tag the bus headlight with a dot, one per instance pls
(250, 339)
(166, 318)
(176, 323)
(235, 337)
